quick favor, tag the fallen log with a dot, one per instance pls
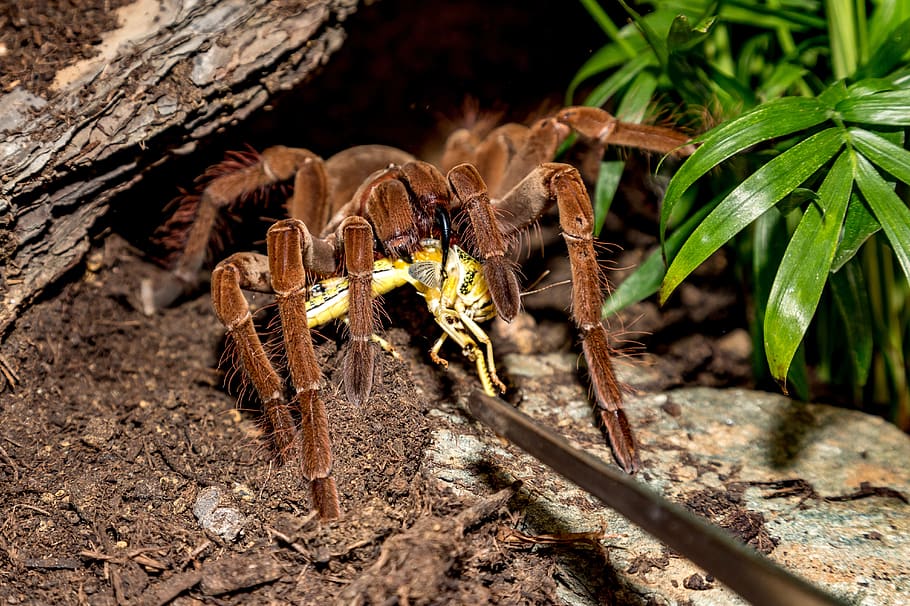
(174, 72)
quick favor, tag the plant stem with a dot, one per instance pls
(842, 35)
(606, 24)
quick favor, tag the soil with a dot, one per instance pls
(113, 423)
(37, 39)
(119, 421)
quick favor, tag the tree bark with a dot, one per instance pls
(182, 69)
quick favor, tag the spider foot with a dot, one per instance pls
(161, 292)
(622, 441)
(358, 371)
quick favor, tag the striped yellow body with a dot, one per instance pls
(458, 298)
(328, 299)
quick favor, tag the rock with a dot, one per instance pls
(225, 522)
(821, 490)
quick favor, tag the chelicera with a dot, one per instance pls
(373, 218)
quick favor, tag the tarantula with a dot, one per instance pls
(373, 218)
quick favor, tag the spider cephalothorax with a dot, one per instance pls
(373, 218)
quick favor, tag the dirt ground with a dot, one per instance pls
(117, 422)
(39, 38)
(120, 421)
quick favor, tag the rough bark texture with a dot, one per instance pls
(181, 70)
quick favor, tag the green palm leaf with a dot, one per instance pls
(645, 281)
(859, 226)
(773, 119)
(750, 199)
(883, 153)
(886, 107)
(852, 301)
(888, 208)
(804, 269)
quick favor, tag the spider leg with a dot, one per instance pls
(460, 147)
(496, 151)
(523, 205)
(272, 166)
(519, 201)
(309, 200)
(420, 187)
(286, 243)
(491, 155)
(485, 236)
(510, 152)
(597, 124)
(576, 218)
(540, 142)
(538, 146)
(358, 255)
(348, 169)
(250, 271)
(429, 191)
(390, 209)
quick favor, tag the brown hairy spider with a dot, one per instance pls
(322, 264)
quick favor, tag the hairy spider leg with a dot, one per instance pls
(286, 242)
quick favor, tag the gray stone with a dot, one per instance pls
(817, 488)
(224, 522)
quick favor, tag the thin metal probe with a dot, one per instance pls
(753, 576)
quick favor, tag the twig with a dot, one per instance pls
(9, 461)
(12, 379)
(137, 555)
(196, 551)
(53, 563)
(868, 490)
(33, 508)
(166, 591)
(290, 543)
(175, 467)
(514, 537)
(12, 441)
